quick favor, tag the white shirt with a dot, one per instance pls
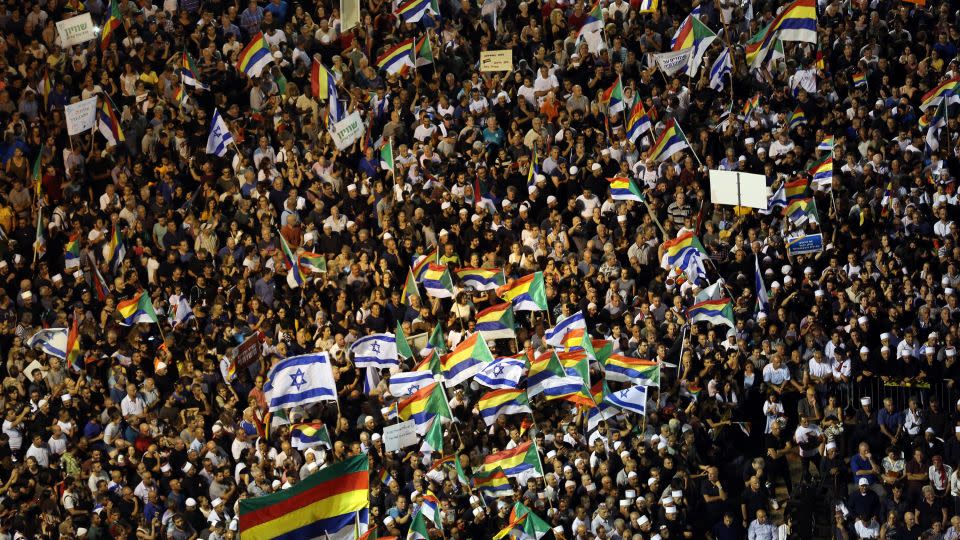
(820, 370)
(423, 133)
(804, 435)
(133, 406)
(16, 438)
(41, 454)
(527, 92)
(545, 84)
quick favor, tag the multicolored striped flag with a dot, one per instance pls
(481, 279)
(619, 368)
(945, 91)
(670, 141)
(188, 71)
(797, 22)
(527, 293)
(306, 435)
(686, 253)
(492, 483)
(255, 56)
(465, 359)
(71, 252)
(625, 189)
(714, 312)
(497, 322)
(423, 405)
(110, 25)
(638, 122)
(613, 97)
(437, 281)
(108, 122)
(322, 504)
(138, 309)
(503, 401)
(397, 59)
(521, 462)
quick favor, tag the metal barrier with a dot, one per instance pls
(900, 392)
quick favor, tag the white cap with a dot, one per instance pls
(831, 446)
(624, 502)
(787, 280)
(865, 400)
(388, 521)
(352, 187)
(864, 350)
(531, 189)
(186, 467)
(387, 236)
(540, 178)
(550, 199)
(26, 295)
(375, 437)
(42, 402)
(643, 521)
(863, 482)
(65, 398)
(443, 232)
(775, 285)
(667, 500)
(676, 494)
(80, 530)
(574, 169)
(785, 269)
(166, 468)
(506, 203)
(863, 319)
(276, 484)
(191, 502)
(951, 352)
(905, 353)
(762, 315)
(808, 270)
(474, 499)
(57, 277)
(216, 502)
(161, 366)
(885, 335)
(475, 218)
(595, 167)
(671, 509)
(632, 494)
(445, 204)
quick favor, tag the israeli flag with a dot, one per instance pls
(405, 383)
(722, 66)
(300, 380)
(52, 341)
(376, 350)
(371, 380)
(633, 399)
(219, 136)
(182, 312)
(763, 300)
(573, 322)
(501, 373)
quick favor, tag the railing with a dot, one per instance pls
(899, 391)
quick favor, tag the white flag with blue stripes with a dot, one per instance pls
(407, 382)
(633, 399)
(371, 380)
(300, 380)
(376, 350)
(554, 336)
(763, 299)
(52, 341)
(219, 137)
(721, 67)
(502, 372)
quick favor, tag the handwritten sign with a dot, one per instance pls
(402, 435)
(496, 60)
(81, 116)
(76, 30)
(348, 130)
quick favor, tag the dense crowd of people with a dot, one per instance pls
(841, 392)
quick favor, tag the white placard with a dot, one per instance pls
(402, 435)
(672, 62)
(738, 188)
(348, 130)
(81, 116)
(75, 30)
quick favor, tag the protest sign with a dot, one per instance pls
(81, 116)
(402, 435)
(347, 131)
(496, 60)
(76, 30)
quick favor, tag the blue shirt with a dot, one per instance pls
(858, 463)
(891, 420)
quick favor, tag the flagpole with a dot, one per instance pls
(452, 420)
(692, 151)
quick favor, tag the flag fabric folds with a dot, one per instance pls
(320, 505)
(797, 22)
(138, 309)
(52, 341)
(397, 58)
(763, 299)
(945, 91)
(437, 281)
(503, 401)
(496, 322)
(376, 350)
(255, 56)
(306, 435)
(686, 253)
(633, 399)
(423, 405)
(465, 359)
(638, 122)
(503, 372)
(108, 122)
(219, 137)
(619, 368)
(481, 279)
(721, 66)
(406, 383)
(554, 336)
(300, 380)
(625, 189)
(521, 462)
(492, 483)
(670, 141)
(527, 293)
(713, 312)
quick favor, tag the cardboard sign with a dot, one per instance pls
(496, 60)
(738, 189)
(248, 353)
(81, 116)
(76, 30)
(812, 243)
(348, 130)
(402, 435)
